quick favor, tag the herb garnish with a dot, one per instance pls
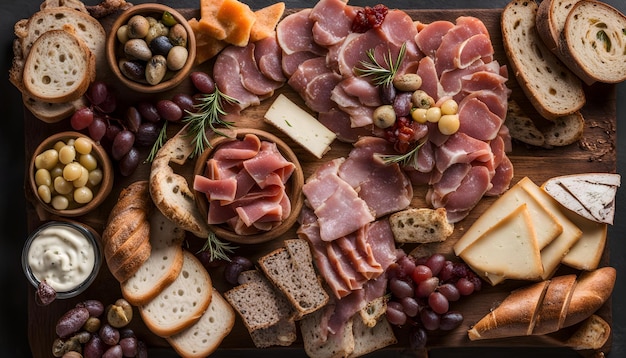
(382, 75)
(208, 112)
(158, 143)
(408, 159)
(218, 250)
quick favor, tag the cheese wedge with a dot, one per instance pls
(587, 252)
(300, 126)
(552, 254)
(546, 223)
(508, 249)
(591, 195)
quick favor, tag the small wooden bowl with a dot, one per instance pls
(104, 163)
(114, 49)
(293, 188)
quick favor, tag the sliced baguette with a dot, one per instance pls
(593, 42)
(74, 4)
(549, 85)
(593, 333)
(52, 112)
(181, 303)
(420, 225)
(163, 265)
(203, 337)
(59, 68)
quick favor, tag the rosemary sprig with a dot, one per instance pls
(381, 75)
(408, 159)
(207, 115)
(158, 143)
(218, 249)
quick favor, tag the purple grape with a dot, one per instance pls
(430, 320)
(129, 162)
(122, 143)
(436, 263)
(426, 287)
(400, 288)
(148, 111)
(417, 338)
(450, 320)
(184, 101)
(450, 291)
(438, 302)
(232, 271)
(109, 104)
(133, 119)
(465, 286)
(395, 313)
(97, 93)
(169, 110)
(97, 129)
(410, 306)
(202, 82)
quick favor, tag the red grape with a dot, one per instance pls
(82, 118)
(395, 313)
(407, 265)
(465, 286)
(436, 262)
(400, 288)
(122, 143)
(148, 111)
(97, 129)
(438, 302)
(202, 82)
(410, 306)
(421, 273)
(169, 110)
(450, 291)
(109, 104)
(426, 287)
(97, 93)
(430, 320)
(450, 320)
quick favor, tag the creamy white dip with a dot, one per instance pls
(62, 256)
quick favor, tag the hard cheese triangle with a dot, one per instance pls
(508, 249)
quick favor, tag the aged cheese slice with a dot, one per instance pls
(587, 252)
(546, 223)
(508, 249)
(300, 126)
(552, 254)
(591, 195)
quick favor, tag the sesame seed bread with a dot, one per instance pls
(595, 50)
(203, 337)
(549, 85)
(182, 303)
(163, 265)
(290, 268)
(59, 68)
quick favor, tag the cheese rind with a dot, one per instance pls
(300, 126)
(508, 249)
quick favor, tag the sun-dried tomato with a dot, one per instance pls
(369, 18)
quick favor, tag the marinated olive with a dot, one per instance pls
(178, 35)
(120, 313)
(122, 34)
(168, 19)
(161, 45)
(156, 69)
(137, 49)
(177, 57)
(92, 325)
(138, 27)
(71, 321)
(384, 116)
(421, 99)
(156, 29)
(95, 307)
(407, 82)
(133, 70)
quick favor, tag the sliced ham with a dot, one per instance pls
(339, 123)
(227, 76)
(462, 148)
(333, 21)
(268, 56)
(290, 63)
(294, 33)
(448, 50)
(353, 50)
(429, 38)
(478, 47)
(252, 78)
(477, 120)
(243, 149)
(317, 94)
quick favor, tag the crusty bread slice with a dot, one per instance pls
(551, 17)
(74, 4)
(181, 303)
(87, 28)
(203, 337)
(318, 345)
(593, 333)
(549, 85)
(565, 130)
(290, 268)
(163, 265)
(282, 334)
(594, 46)
(420, 225)
(522, 127)
(52, 112)
(369, 339)
(59, 67)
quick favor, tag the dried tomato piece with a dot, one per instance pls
(369, 18)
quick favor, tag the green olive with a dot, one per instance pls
(120, 313)
(421, 99)
(178, 35)
(138, 27)
(384, 116)
(168, 19)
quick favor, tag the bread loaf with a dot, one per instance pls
(203, 337)
(420, 225)
(163, 265)
(182, 303)
(549, 85)
(547, 306)
(593, 333)
(59, 68)
(594, 45)
(126, 237)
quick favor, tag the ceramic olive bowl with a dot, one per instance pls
(45, 168)
(293, 188)
(115, 49)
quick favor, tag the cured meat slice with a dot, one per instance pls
(338, 122)
(333, 21)
(268, 56)
(477, 120)
(251, 77)
(294, 33)
(227, 76)
(462, 148)
(317, 94)
(465, 27)
(429, 38)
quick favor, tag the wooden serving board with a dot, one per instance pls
(596, 152)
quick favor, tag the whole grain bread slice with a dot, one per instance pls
(59, 67)
(204, 337)
(163, 265)
(550, 22)
(290, 268)
(318, 344)
(369, 339)
(548, 83)
(182, 303)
